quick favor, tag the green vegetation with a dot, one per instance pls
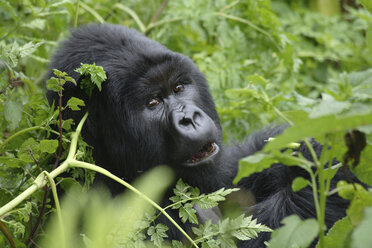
(307, 63)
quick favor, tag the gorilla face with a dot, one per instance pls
(167, 106)
(155, 106)
(173, 104)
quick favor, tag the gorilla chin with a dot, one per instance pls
(204, 156)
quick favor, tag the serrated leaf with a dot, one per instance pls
(49, 146)
(53, 84)
(157, 234)
(294, 233)
(177, 244)
(35, 24)
(13, 113)
(28, 48)
(299, 183)
(188, 213)
(11, 162)
(95, 73)
(74, 103)
(206, 203)
(59, 73)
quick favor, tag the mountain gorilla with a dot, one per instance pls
(155, 108)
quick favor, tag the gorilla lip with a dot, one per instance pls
(205, 152)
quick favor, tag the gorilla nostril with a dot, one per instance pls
(185, 121)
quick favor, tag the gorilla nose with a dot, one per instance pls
(190, 119)
(192, 126)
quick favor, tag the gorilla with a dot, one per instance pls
(155, 108)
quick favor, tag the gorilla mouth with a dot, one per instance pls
(205, 152)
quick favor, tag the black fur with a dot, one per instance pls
(129, 137)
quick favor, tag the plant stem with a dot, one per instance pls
(58, 208)
(158, 11)
(40, 181)
(6, 233)
(132, 14)
(80, 164)
(76, 13)
(315, 193)
(322, 205)
(252, 25)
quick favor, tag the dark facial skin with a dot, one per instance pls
(188, 128)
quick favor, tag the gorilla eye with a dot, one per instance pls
(178, 87)
(153, 102)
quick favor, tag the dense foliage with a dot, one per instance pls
(307, 63)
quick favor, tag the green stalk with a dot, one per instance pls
(40, 181)
(322, 205)
(80, 164)
(58, 208)
(76, 13)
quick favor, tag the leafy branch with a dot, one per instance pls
(70, 162)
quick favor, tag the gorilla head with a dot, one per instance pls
(155, 107)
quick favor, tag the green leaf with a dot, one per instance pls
(11, 162)
(28, 49)
(294, 233)
(362, 198)
(317, 128)
(96, 74)
(67, 183)
(177, 244)
(260, 161)
(328, 106)
(53, 84)
(299, 183)
(361, 237)
(188, 213)
(302, 100)
(13, 113)
(74, 103)
(59, 74)
(363, 171)
(66, 124)
(157, 234)
(339, 235)
(49, 146)
(29, 146)
(35, 24)
(367, 4)
(252, 164)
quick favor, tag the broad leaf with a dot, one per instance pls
(294, 233)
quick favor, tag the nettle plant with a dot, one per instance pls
(127, 220)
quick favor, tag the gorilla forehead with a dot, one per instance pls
(150, 74)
